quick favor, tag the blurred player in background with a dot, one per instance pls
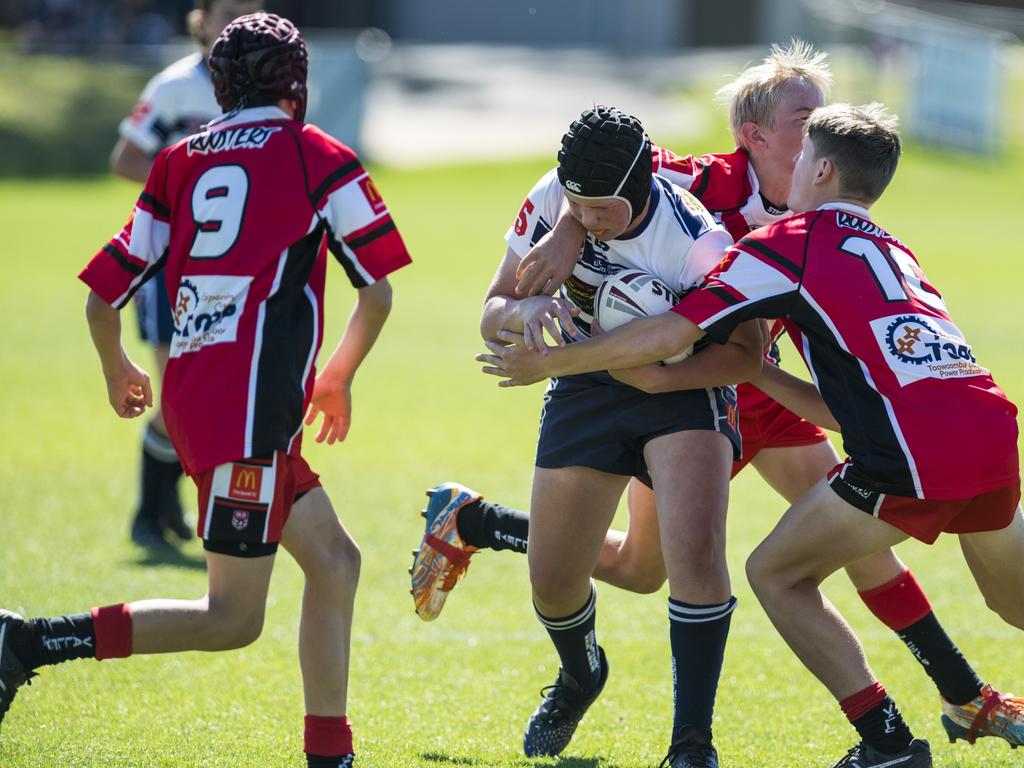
(240, 216)
(767, 105)
(176, 103)
(931, 439)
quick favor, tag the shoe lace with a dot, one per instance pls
(698, 750)
(452, 575)
(560, 698)
(846, 759)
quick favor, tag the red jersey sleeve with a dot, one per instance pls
(719, 181)
(139, 250)
(759, 277)
(361, 233)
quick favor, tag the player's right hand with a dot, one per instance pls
(538, 314)
(129, 390)
(548, 264)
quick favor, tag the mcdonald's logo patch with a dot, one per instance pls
(245, 482)
(372, 195)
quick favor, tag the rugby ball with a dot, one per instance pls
(630, 294)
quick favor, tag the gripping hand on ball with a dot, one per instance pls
(538, 314)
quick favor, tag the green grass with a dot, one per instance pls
(457, 692)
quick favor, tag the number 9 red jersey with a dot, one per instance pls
(240, 217)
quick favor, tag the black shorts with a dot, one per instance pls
(153, 311)
(593, 421)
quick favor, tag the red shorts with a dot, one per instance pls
(925, 519)
(770, 425)
(244, 505)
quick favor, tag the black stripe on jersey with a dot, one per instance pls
(340, 173)
(794, 269)
(122, 262)
(289, 328)
(146, 275)
(336, 248)
(868, 434)
(369, 237)
(152, 202)
(722, 293)
(705, 179)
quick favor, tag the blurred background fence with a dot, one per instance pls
(410, 82)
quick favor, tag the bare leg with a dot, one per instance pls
(632, 559)
(691, 481)
(995, 558)
(330, 560)
(792, 471)
(570, 514)
(230, 616)
(818, 535)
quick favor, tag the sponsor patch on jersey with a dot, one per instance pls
(372, 195)
(249, 137)
(207, 310)
(920, 347)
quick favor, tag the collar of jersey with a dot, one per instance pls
(841, 206)
(647, 219)
(249, 115)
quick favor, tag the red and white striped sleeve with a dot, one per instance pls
(760, 276)
(362, 235)
(139, 250)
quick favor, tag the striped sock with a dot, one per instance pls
(575, 640)
(698, 634)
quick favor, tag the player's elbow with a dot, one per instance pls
(377, 297)
(96, 309)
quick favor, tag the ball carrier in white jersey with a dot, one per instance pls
(176, 102)
(596, 433)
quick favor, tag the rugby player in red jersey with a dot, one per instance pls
(240, 217)
(931, 439)
(767, 106)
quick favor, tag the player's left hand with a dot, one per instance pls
(516, 364)
(129, 390)
(334, 401)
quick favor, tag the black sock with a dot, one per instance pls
(883, 728)
(942, 660)
(160, 472)
(337, 761)
(39, 642)
(492, 526)
(698, 634)
(575, 640)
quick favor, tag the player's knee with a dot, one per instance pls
(1008, 609)
(234, 626)
(761, 574)
(336, 565)
(642, 577)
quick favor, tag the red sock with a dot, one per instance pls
(327, 736)
(898, 603)
(113, 627)
(862, 702)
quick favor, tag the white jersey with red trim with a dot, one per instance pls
(920, 416)
(240, 217)
(672, 242)
(177, 102)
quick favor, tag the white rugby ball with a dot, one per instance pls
(630, 294)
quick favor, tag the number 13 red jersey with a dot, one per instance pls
(240, 217)
(920, 416)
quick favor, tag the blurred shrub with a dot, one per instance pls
(59, 116)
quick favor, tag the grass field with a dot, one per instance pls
(457, 692)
